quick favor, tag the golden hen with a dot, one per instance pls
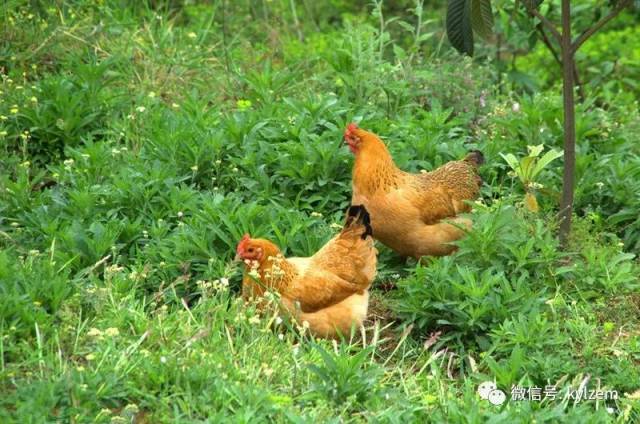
(413, 214)
(328, 290)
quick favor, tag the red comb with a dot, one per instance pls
(243, 242)
(351, 127)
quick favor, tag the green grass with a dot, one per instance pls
(138, 144)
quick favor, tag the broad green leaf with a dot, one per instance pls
(512, 161)
(459, 30)
(407, 26)
(482, 18)
(535, 150)
(545, 160)
(399, 52)
(526, 167)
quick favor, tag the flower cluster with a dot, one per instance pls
(138, 275)
(210, 287)
(275, 273)
(98, 334)
(534, 186)
(243, 105)
(111, 270)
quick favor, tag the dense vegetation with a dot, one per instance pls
(139, 142)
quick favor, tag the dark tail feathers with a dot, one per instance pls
(357, 214)
(475, 157)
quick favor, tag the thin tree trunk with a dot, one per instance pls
(569, 79)
(568, 67)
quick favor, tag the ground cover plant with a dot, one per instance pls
(140, 140)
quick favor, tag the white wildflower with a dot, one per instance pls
(94, 332)
(112, 332)
(131, 409)
(535, 186)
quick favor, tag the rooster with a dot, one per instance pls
(329, 290)
(413, 214)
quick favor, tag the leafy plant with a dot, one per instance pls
(527, 170)
(459, 27)
(345, 377)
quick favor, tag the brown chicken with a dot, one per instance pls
(328, 290)
(413, 214)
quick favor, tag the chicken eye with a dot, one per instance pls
(250, 250)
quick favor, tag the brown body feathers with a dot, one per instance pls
(413, 214)
(329, 290)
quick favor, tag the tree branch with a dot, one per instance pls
(576, 76)
(622, 4)
(547, 42)
(546, 22)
